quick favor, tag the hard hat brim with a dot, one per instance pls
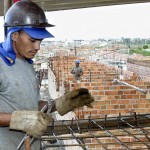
(38, 33)
(77, 61)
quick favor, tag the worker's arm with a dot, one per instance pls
(71, 100)
(72, 71)
(34, 123)
(5, 119)
(81, 72)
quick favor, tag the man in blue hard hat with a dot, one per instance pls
(77, 71)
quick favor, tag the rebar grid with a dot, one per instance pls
(128, 132)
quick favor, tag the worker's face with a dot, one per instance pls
(77, 64)
(25, 46)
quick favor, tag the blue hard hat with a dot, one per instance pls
(77, 61)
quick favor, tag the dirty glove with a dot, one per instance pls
(34, 123)
(74, 99)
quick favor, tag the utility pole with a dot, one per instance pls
(7, 4)
(128, 44)
(75, 48)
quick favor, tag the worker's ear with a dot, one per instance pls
(14, 36)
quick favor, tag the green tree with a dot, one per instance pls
(145, 46)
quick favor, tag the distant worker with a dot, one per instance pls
(77, 71)
(134, 77)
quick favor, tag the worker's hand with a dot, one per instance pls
(81, 73)
(34, 123)
(74, 99)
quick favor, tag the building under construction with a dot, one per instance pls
(120, 116)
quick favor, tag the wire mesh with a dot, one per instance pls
(120, 132)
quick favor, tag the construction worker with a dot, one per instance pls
(25, 26)
(77, 72)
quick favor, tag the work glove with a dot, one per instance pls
(34, 123)
(74, 99)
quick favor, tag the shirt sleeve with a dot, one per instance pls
(72, 71)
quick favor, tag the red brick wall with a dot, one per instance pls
(110, 99)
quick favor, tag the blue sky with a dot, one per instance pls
(130, 20)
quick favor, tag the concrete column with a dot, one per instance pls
(7, 4)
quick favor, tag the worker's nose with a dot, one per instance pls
(37, 45)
